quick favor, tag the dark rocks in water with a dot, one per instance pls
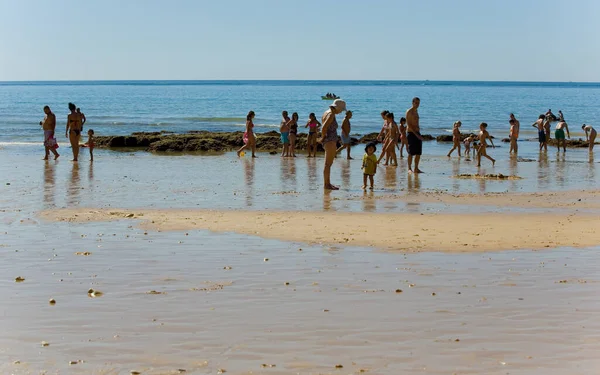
(449, 137)
(201, 141)
(572, 143)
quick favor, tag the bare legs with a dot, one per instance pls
(74, 139)
(371, 180)
(330, 151)
(342, 147)
(292, 146)
(483, 152)
(455, 147)
(417, 160)
(514, 147)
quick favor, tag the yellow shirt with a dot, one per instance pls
(369, 164)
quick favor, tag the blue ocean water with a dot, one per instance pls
(123, 107)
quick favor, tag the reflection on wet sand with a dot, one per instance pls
(369, 202)
(542, 171)
(390, 177)
(74, 188)
(311, 169)
(249, 165)
(345, 168)
(413, 183)
(49, 184)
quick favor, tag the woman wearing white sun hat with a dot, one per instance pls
(330, 138)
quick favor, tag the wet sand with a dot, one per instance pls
(201, 301)
(410, 232)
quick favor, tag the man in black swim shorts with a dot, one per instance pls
(413, 136)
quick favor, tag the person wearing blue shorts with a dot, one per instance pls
(346, 140)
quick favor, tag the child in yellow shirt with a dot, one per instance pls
(369, 164)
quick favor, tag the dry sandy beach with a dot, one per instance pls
(574, 225)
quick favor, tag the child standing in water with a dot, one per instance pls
(369, 164)
(313, 129)
(483, 137)
(346, 140)
(403, 140)
(456, 138)
(90, 143)
(284, 128)
(467, 142)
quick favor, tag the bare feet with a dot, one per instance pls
(56, 156)
(371, 188)
(349, 158)
(238, 154)
(46, 158)
(364, 187)
(254, 156)
(331, 187)
(419, 171)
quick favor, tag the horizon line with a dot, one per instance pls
(291, 80)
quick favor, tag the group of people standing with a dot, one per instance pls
(75, 121)
(407, 135)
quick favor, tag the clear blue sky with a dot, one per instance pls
(525, 40)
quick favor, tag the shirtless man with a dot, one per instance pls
(559, 134)
(482, 151)
(83, 119)
(413, 136)
(49, 125)
(539, 125)
(515, 126)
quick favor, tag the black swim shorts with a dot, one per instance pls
(415, 145)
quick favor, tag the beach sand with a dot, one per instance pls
(401, 232)
(250, 272)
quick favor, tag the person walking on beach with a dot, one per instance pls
(414, 138)
(590, 135)
(483, 137)
(539, 125)
(513, 134)
(313, 129)
(389, 146)
(284, 128)
(249, 138)
(369, 164)
(559, 134)
(345, 135)
(455, 138)
(329, 139)
(49, 126)
(403, 141)
(293, 125)
(73, 130)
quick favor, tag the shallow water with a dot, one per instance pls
(140, 179)
(513, 314)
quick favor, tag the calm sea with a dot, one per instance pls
(122, 107)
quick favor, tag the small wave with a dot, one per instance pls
(214, 119)
(20, 143)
